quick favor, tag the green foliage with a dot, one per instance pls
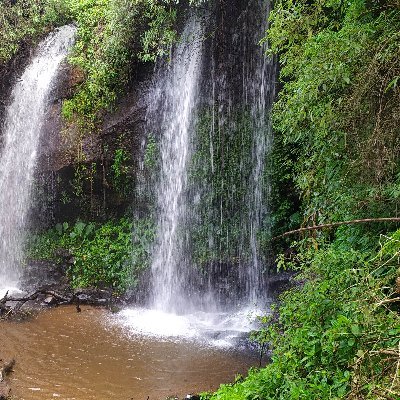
(25, 20)
(80, 174)
(143, 235)
(103, 258)
(111, 254)
(100, 56)
(337, 117)
(334, 331)
(161, 34)
(151, 153)
(113, 36)
(122, 181)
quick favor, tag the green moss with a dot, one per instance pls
(220, 172)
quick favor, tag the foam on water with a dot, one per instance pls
(214, 329)
(12, 290)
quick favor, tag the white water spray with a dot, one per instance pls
(173, 102)
(259, 90)
(20, 144)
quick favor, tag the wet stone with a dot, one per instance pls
(50, 301)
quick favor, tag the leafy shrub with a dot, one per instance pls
(25, 20)
(337, 334)
(111, 254)
(337, 116)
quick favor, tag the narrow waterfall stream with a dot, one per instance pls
(259, 93)
(172, 111)
(19, 150)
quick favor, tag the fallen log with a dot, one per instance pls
(60, 299)
(22, 300)
(34, 295)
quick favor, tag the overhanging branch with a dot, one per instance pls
(335, 224)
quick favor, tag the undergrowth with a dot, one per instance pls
(25, 20)
(110, 254)
(336, 333)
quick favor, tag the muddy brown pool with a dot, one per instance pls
(62, 354)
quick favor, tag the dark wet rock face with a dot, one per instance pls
(44, 274)
(76, 175)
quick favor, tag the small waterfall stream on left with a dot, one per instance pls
(20, 145)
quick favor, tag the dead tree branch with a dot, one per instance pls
(335, 224)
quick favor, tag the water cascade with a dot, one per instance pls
(259, 93)
(20, 144)
(209, 108)
(172, 109)
(234, 140)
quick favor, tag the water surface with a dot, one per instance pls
(68, 355)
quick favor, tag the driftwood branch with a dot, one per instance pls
(335, 224)
(69, 298)
(387, 301)
(22, 300)
(34, 295)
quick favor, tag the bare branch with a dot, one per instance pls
(335, 224)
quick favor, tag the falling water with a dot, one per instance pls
(173, 102)
(20, 142)
(241, 89)
(259, 91)
(210, 110)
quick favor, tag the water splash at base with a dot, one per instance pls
(219, 329)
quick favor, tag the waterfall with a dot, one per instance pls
(225, 203)
(234, 145)
(209, 108)
(259, 93)
(172, 109)
(20, 144)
